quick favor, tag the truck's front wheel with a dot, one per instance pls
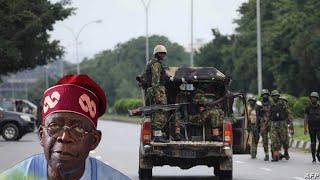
(145, 174)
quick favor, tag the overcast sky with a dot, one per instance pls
(123, 20)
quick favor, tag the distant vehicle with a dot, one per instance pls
(10, 104)
(197, 148)
(14, 125)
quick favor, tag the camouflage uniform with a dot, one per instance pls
(156, 94)
(263, 124)
(278, 127)
(215, 116)
(252, 139)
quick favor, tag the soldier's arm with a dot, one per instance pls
(155, 79)
(305, 122)
(257, 116)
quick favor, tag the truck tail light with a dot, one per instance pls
(227, 133)
(146, 131)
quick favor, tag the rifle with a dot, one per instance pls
(147, 110)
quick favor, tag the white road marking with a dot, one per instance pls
(239, 162)
(98, 157)
(92, 152)
(298, 178)
(266, 169)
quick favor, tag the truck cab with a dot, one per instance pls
(197, 148)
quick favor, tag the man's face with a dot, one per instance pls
(265, 96)
(275, 98)
(252, 103)
(160, 55)
(66, 153)
(313, 99)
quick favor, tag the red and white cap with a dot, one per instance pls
(76, 93)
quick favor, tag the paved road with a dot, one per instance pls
(119, 148)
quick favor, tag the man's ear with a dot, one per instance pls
(40, 135)
(95, 139)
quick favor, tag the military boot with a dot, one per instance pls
(275, 158)
(314, 156)
(266, 158)
(286, 155)
(178, 137)
(281, 156)
(215, 135)
(318, 155)
(159, 136)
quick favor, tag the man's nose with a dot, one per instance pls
(65, 136)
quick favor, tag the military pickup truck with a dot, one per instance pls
(197, 147)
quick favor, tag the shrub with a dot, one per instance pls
(299, 106)
(122, 105)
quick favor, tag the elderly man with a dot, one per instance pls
(67, 134)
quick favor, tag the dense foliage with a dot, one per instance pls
(24, 38)
(121, 106)
(115, 70)
(290, 32)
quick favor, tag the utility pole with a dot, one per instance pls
(259, 64)
(146, 6)
(191, 35)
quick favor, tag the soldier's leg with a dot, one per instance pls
(253, 151)
(265, 139)
(177, 124)
(318, 152)
(313, 140)
(284, 138)
(158, 119)
(216, 119)
(195, 119)
(275, 141)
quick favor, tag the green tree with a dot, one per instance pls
(24, 38)
(115, 70)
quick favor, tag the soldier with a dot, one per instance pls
(312, 122)
(278, 126)
(156, 91)
(254, 134)
(289, 119)
(263, 121)
(209, 112)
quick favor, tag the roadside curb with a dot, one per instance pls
(300, 144)
(297, 144)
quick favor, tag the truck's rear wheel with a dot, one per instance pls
(145, 174)
(223, 175)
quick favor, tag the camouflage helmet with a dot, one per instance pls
(275, 93)
(252, 98)
(314, 94)
(284, 98)
(265, 91)
(159, 49)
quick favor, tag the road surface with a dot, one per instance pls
(119, 148)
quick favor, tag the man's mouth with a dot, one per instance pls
(63, 155)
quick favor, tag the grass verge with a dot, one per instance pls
(121, 117)
(299, 133)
